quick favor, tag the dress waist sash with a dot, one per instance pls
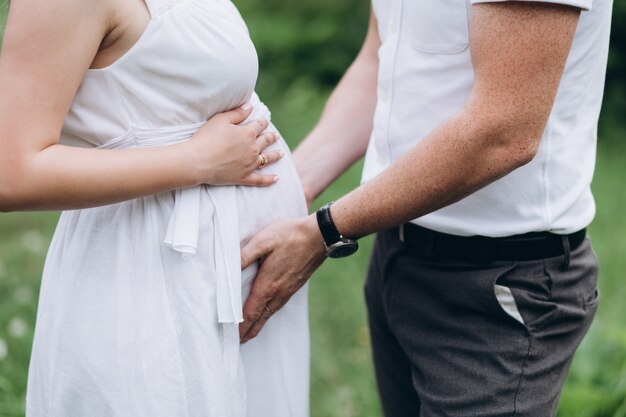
(184, 222)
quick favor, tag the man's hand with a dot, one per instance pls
(289, 252)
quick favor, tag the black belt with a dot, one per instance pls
(526, 247)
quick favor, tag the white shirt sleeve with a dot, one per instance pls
(583, 4)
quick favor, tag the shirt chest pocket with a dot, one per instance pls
(439, 26)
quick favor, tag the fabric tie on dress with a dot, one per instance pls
(184, 222)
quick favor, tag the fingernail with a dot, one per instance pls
(281, 153)
(276, 178)
(247, 107)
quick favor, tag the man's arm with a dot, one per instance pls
(342, 134)
(519, 51)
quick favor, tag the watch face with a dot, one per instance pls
(341, 250)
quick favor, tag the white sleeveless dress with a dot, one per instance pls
(140, 301)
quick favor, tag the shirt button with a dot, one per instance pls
(393, 28)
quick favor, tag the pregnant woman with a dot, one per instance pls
(103, 113)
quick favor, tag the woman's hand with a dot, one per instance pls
(229, 154)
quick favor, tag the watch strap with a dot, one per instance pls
(327, 227)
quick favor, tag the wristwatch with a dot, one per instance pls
(337, 246)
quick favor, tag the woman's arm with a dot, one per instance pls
(48, 47)
(342, 134)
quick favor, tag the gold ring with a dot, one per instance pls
(262, 160)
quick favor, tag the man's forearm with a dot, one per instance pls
(519, 50)
(462, 156)
(497, 131)
(342, 134)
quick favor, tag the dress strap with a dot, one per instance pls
(152, 6)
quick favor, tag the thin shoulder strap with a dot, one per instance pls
(152, 7)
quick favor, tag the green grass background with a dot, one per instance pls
(342, 377)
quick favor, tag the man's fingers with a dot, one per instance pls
(249, 332)
(262, 313)
(249, 329)
(253, 331)
(255, 306)
(252, 252)
(259, 180)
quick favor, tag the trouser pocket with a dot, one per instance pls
(549, 291)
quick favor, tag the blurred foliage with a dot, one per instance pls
(4, 7)
(304, 48)
(613, 121)
(310, 42)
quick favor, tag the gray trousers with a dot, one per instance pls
(449, 340)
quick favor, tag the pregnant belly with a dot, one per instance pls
(260, 206)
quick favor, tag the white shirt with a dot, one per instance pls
(426, 75)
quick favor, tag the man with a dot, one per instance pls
(481, 120)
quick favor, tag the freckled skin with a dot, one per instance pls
(518, 52)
